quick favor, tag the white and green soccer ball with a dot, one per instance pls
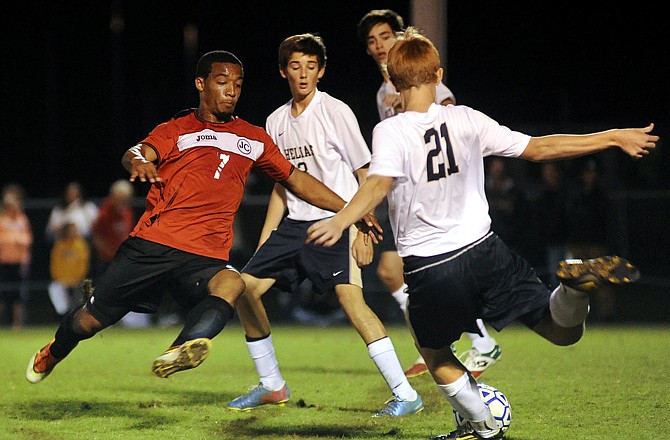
(497, 403)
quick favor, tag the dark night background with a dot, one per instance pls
(76, 94)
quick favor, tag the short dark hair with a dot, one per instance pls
(376, 16)
(216, 56)
(309, 44)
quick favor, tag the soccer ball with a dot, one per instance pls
(497, 403)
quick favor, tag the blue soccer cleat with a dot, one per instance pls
(397, 407)
(259, 395)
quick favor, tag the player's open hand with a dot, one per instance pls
(362, 250)
(324, 232)
(144, 171)
(371, 228)
(637, 142)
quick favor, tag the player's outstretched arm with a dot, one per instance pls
(313, 191)
(369, 195)
(139, 162)
(636, 142)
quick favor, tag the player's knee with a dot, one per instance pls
(228, 285)
(564, 337)
(85, 324)
(386, 274)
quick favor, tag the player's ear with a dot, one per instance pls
(322, 71)
(440, 75)
(282, 73)
(200, 83)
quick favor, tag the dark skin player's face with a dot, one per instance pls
(219, 92)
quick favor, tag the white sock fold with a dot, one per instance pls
(384, 356)
(465, 399)
(267, 366)
(569, 307)
(484, 343)
(401, 296)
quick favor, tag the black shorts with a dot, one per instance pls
(388, 241)
(448, 292)
(142, 272)
(286, 258)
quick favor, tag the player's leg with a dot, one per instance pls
(77, 325)
(390, 273)
(460, 389)
(405, 399)
(444, 304)
(207, 318)
(272, 388)
(273, 259)
(563, 322)
(105, 305)
(485, 351)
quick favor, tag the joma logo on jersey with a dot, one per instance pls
(205, 137)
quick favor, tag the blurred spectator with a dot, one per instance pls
(115, 220)
(69, 266)
(509, 209)
(73, 208)
(16, 239)
(589, 214)
(554, 224)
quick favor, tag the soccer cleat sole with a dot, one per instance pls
(251, 408)
(588, 275)
(191, 354)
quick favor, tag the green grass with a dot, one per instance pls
(614, 384)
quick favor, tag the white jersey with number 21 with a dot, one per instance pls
(437, 202)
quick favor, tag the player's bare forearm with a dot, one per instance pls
(636, 142)
(313, 191)
(366, 199)
(139, 162)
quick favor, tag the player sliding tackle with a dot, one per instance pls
(429, 162)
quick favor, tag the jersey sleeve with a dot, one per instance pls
(496, 139)
(271, 161)
(162, 139)
(387, 155)
(353, 147)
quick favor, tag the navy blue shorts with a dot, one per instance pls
(286, 258)
(142, 272)
(448, 292)
(388, 242)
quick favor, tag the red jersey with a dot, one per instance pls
(204, 167)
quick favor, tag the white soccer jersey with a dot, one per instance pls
(442, 92)
(437, 201)
(325, 141)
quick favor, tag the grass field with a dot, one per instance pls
(614, 384)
